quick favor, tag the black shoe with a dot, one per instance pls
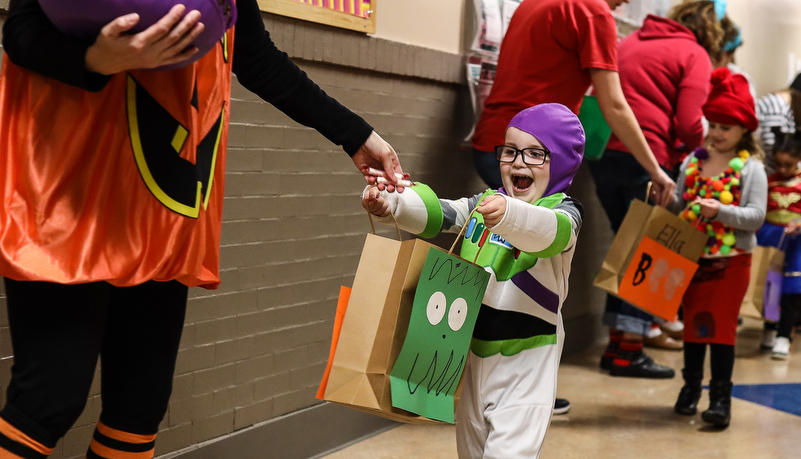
(561, 406)
(687, 404)
(719, 412)
(643, 367)
(606, 362)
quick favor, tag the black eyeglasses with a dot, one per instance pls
(531, 156)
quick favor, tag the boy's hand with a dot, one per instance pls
(374, 203)
(709, 207)
(492, 208)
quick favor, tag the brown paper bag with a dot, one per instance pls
(651, 233)
(375, 326)
(765, 262)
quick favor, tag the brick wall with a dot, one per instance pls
(254, 350)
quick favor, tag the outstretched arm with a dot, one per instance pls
(269, 73)
(620, 118)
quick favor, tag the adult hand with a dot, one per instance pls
(664, 188)
(374, 203)
(164, 43)
(493, 208)
(378, 154)
(709, 207)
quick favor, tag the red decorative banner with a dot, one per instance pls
(358, 8)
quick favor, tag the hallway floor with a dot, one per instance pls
(633, 418)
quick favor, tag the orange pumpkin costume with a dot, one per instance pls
(124, 185)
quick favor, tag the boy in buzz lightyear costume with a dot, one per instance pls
(526, 232)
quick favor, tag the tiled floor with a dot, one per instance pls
(624, 418)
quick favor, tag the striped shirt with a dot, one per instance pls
(773, 110)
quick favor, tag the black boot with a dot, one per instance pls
(719, 412)
(687, 404)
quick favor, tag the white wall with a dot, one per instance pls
(436, 24)
(771, 51)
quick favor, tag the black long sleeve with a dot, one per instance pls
(33, 42)
(267, 71)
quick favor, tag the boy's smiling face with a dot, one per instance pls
(521, 181)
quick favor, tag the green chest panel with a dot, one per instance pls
(493, 251)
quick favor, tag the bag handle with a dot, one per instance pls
(450, 252)
(648, 191)
(397, 228)
(781, 242)
(459, 236)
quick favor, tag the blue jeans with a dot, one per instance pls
(619, 179)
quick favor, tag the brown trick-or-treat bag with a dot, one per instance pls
(375, 328)
(652, 260)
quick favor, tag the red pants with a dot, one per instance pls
(712, 301)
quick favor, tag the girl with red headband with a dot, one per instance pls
(722, 191)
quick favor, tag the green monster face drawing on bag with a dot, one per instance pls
(432, 359)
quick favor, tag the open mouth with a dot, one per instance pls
(522, 183)
(436, 380)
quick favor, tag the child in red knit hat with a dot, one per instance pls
(722, 191)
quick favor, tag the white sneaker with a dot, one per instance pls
(781, 350)
(768, 339)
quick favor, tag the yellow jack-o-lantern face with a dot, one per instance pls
(157, 139)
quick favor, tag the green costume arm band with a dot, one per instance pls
(564, 229)
(433, 208)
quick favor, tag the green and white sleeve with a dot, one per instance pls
(417, 210)
(543, 230)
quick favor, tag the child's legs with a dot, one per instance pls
(56, 335)
(510, 405)
(694, 355)
(791, 289)
(137, 362)
(721, 360)
(471, 430)
(790, 311)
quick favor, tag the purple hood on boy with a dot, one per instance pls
(560, 131)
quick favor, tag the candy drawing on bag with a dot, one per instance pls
(673, 282)
(656, 278)
(432, 359)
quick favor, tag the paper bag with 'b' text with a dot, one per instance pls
(652, 260)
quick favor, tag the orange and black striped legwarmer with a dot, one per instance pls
(109, 443)
(15, 444)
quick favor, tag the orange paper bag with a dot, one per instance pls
(342, 305)
(645, 263)
(657, 278)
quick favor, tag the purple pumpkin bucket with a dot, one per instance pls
(85, 18)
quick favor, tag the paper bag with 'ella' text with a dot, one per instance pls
(652, 260)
